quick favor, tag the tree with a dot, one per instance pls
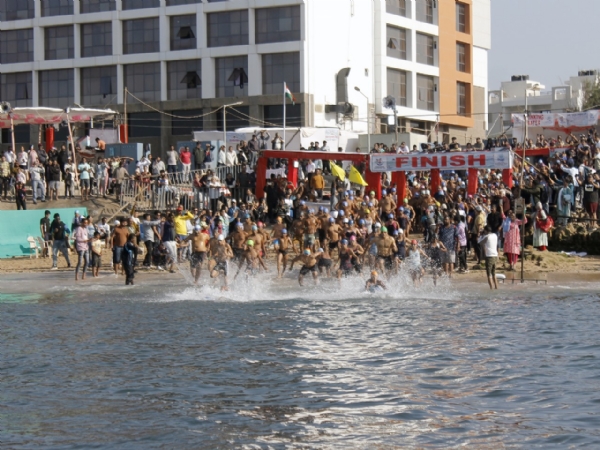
(591, 95)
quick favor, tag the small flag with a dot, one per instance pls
(289, 94)
(355, 177)
(337, 171)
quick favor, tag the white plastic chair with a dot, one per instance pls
(33, 247)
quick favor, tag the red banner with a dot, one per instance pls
(442, 161)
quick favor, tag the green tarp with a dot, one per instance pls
(17, 226)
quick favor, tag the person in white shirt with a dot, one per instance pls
(222, 158)
(23, 159)
(10, 157)
(489, 245)
(231, 158)
(403, 148)
(37, 183)
(143, 164)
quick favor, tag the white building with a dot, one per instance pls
(510, 99)
(183, 57)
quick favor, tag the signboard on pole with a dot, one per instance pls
(442, 161)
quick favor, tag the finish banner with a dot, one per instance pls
(502, 159)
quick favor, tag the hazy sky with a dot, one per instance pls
(549, 40)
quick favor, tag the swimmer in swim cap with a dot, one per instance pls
(309, 262)
(285, 245)
(374, 281)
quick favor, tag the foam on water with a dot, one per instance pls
(265, 287)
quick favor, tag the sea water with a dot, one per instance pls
(273, 365)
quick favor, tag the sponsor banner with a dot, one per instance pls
(557, 120)
(443, 161)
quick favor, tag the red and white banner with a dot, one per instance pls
(557, 121)
(444, 161)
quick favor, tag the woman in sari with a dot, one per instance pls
(512, 238)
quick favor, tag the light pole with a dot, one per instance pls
(357, 89)
(534, 87)
(225, 123)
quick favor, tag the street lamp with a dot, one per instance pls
(357, 89)
(534, 87)
(225, 122)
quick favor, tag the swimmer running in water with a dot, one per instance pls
(284, 245)
(309, 265)
(413, 262)
(200, 242)
(222, 253)
(252, 258)
(374, 282)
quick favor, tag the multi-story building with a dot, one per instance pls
(188, 58)
(514, 95)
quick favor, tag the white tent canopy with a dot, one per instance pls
(42, 116)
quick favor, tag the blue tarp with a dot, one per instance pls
(17, 226)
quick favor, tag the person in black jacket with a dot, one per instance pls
(494, 220)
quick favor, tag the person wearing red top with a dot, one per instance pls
(185, 156)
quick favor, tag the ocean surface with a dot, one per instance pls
(273, 365)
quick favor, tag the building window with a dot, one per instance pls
(182, 2)
(16, 46)
(184, 80)
(185, 127)
(92, 6)
(183, 32)
(16, 10)
(58, 42)
(461, 99)
(274, 114)
(425, 92)
(396, 42)
(141, 36)
(98, 85)
(96, 39)
(396, 85)
(144, 125)
(237, 117)
(228, 28)
(425, 11)
(278, 68)
(15, 88)
(397, 7)
(231, 76)
(57, 8)
(425, 49)
(461, 17)
(56, 88)
(139, 4)
(143, 80)
(278, 24)
(461, 57)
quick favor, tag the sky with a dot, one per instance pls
(549, 40)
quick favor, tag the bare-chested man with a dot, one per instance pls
(200, 242)
(309, 265)
(284, 246)
(334, 234)
(276, 231)
(325, 261)
(311, 225)
(237, 239)
(387, 204)
(259, 240)
(386, 250)
(222, 254)
(252, 258)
